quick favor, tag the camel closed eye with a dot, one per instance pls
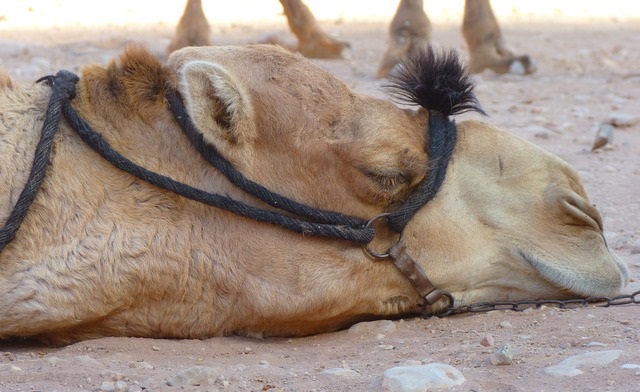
(387, 180)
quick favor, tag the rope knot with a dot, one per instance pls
(64, 83)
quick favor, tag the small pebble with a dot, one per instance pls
(504, 356)
(141, 365)
(194, 376)
(108, 386)
(487, 341)
(622, 120)
(505, 324)
(604, 136)
(630, 366)
(121, 386)
(53, 361)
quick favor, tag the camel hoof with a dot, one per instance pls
(523, 65)
(331, 50)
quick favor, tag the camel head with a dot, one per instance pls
(510, 221)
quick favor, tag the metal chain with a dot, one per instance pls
(519, 306)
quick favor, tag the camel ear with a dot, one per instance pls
(217, 103)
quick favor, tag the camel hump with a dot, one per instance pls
(435, 80)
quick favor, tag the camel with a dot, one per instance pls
(102, 252)
(409, 30)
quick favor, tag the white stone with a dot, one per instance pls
(195, 376)
(421, 378)
(622, 119)
(569, 367)
(630, 366)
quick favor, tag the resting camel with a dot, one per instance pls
(410, 29)
(102, 251)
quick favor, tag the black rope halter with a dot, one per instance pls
(64, 90)
(305, 220)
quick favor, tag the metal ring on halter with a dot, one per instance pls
(372, 253)
(450, 309)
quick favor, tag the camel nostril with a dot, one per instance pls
(582, 212)
(576, 209)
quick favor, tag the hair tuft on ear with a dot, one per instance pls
(437, 81)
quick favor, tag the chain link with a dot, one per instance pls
(519, 306)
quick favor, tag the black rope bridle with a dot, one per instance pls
(300, 218)
(64, 89)
(442, 138)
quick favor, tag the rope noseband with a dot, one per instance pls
(299, 218)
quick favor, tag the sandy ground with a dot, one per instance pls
(588, 71)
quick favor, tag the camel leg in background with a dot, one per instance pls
(486, 44)
(410, 28)
(312, 41)
(193, 28)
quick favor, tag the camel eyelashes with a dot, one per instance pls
(388, 180)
